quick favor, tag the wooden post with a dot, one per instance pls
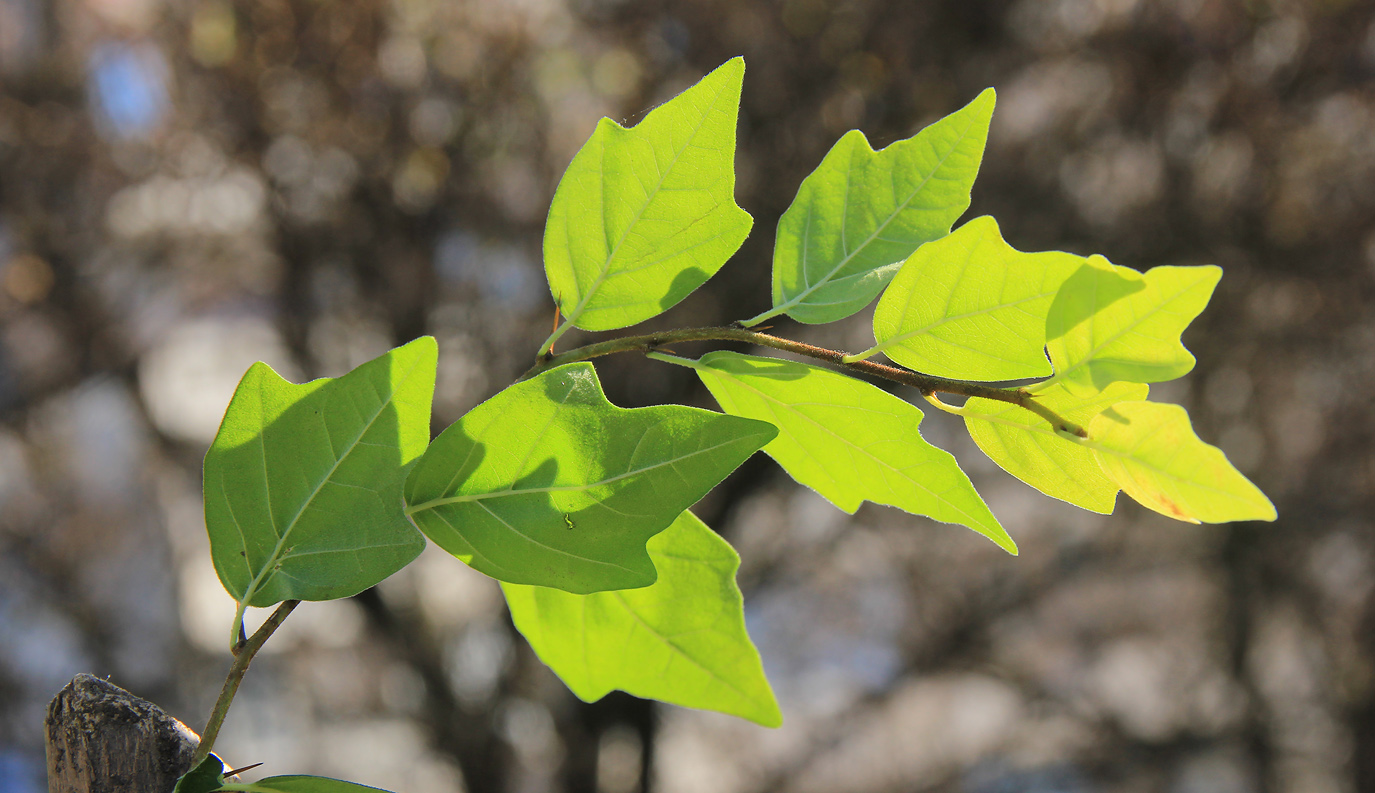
(102, 739)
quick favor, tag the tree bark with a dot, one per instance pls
(102, 739)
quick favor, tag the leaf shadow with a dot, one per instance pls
(1107, 287)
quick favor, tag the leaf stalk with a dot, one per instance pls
(243, 656)
(926, 384)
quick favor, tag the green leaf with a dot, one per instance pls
(206, 777)
(548, 483)
(1026, 446)
(303, 482)
(971, 306)
(681, 640)
(300, 784)
(1151, 451)
(1112, 323)
(861, 212)
(644, 216)
(848, 440)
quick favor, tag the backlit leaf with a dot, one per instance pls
(1111, 323)
(848, 440)
(681, 640)
(548, 483)
(1151, 451)
(861, 212)
(303, 482)
(971, 306)
(1026, 446)
(644, 216)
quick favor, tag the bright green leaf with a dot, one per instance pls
(1112, 323)
(300, 784)
(681, 640)
(1151, 451)
(548, 483)
(971, 306)
(848, 440)
(644, 216)
(303, 482)
(206, 777)
(1026, 446)
(861, 212)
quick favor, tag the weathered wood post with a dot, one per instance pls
(102, 739)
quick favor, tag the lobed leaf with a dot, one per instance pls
(848, 440)
(644, 216)
(1111, 323)
(1151, 451)
(1026, 446)
(681, 640)
(303, 482)
(548, 483)
(861, 212)
(971, 306)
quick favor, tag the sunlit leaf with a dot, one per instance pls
(300, 784)
(1026, 446)
(303, 482)
(644, 216)
(971, 306)
(848, 440)
(548, 483)
(681, 640)
(861, 212)
(1111, 323)
(1151, 451)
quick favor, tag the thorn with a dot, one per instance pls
(238, 771)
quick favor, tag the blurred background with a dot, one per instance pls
(189, 186)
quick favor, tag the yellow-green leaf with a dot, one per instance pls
(863, 211)
(1111, 323)
(1150, 450)
(643, 216)
(847, 439)
(1026, 446)
(681, 640)
(970, 306)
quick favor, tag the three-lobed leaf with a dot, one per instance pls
(1151, 451)
(643, 216)
(1028, 447)
(548, 483)
(848, 440)
(971, 306)
(861, 212)
(1111, 323)
(303, 482)
(681, 640)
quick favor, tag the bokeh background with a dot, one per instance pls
(189, 186)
